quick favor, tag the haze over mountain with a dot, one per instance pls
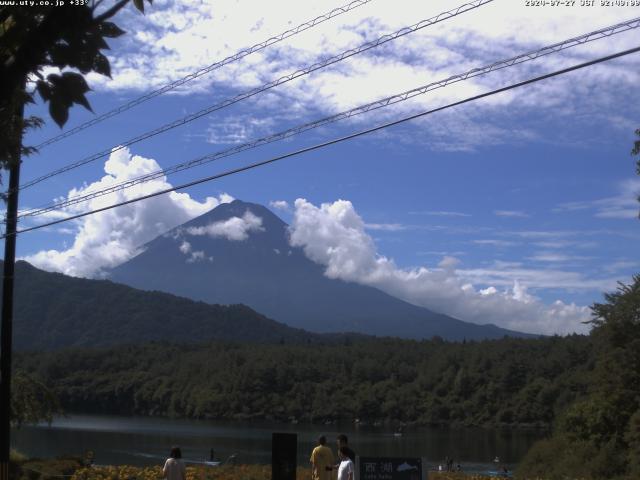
(239, 253)
(53, 311)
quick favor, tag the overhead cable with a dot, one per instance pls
(203, 71)
(255, 91)
(528, 56)
(332, 142)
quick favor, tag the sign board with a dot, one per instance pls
(388, 468)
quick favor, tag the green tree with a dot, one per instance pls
(602, 431)
(33, 38)
(31, 400)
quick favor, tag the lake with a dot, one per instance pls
(146, 441)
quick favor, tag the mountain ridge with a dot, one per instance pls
(53, 311)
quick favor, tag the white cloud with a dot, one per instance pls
(621, 265)
(449, 263)
(234, 228)
(280, 205)
(551, 256)
(185, 247)
(171, 41)
(511, 213)
(334, 236)
(440, 213)
(442, 253)
(386, 227)
(197, 256)
(237, 129)
(565, 244)
(624, 205)
(109, 238)
(495, 243)
(192, 256)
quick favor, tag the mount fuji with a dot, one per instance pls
(239, 253)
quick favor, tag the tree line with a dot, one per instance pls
(516, 382)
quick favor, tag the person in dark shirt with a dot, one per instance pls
(343, 441)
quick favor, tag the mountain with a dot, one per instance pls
(53, 311)
(211, 259)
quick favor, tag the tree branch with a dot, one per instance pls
(111, 12)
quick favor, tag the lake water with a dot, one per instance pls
(146, 441)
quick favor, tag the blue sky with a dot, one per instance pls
(517, 210)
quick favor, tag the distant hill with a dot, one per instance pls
(53, 311)
(261, 269)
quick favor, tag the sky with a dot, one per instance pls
(518, 209)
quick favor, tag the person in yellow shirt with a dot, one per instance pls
(321, 461)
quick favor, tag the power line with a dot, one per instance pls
(203, 71)
(334, 141)
(255, 91)
(528, 56)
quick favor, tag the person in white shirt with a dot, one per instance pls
(174, 468)
(346, 468)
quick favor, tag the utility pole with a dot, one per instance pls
(6, 324)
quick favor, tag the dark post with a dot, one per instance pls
(7, 293)
(284, 456)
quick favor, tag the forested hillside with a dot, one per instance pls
(56, 311)
(501, 382)
(598, 436)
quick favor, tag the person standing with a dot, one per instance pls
(343, 441)
(346, 468)
(174, 468)
(321, 460)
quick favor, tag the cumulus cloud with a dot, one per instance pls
(334, 236)
(192, 256)
(234, 228)
(197, 256)
(185, 247)
(112, 237)
(280, 205)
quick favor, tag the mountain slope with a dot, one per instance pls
(266, 273)
(52, 311)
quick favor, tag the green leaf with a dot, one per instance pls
(75, 81)
(84, 62)
(82, 100)
(139, 4)
(61, 55)
(59, 112)
(75, 86)
(97, 42)
(44, 90)
(101, 65)
(33, 122)
(110, 30)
